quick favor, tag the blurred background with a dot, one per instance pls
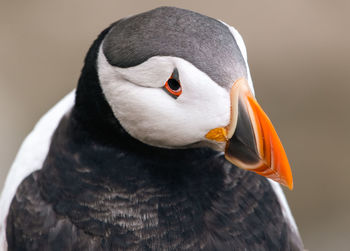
(299, 55)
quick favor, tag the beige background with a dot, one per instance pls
(299, 57)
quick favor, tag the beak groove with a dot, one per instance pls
(251, 140)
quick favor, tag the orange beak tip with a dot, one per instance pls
(283, 177)
(287, 183)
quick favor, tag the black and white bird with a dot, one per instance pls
(151, 151)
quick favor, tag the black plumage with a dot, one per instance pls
(101, 189)
(95, 196)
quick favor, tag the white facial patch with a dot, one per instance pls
(148, 113)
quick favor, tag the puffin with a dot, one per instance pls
(162, 146)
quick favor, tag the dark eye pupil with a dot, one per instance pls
(174, 84)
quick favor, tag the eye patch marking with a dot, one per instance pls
(172, 85)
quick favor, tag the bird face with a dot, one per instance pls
(173, 96)
(165, 101)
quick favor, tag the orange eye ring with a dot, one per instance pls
(173, 86)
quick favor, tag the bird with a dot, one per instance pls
(162, 146)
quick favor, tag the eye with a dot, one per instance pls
(173, 86)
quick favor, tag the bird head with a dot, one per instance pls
(177, 79)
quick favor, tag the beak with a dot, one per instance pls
(251, 140)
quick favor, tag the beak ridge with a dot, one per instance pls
(251, 140)
(275, 164)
